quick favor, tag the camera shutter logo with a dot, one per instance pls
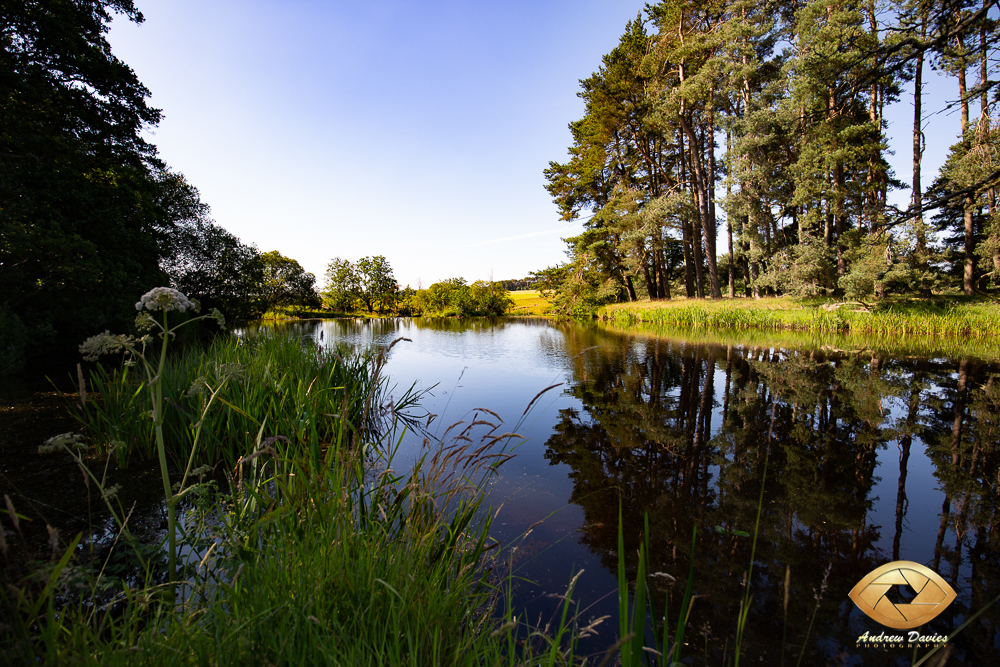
(932, 594)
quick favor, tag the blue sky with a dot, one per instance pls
(414, 130)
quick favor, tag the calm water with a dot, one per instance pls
(868, 459)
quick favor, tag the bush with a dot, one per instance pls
(453, 297)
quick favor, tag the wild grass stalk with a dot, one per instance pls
(294, 387)
(969, 320)
(317, 553)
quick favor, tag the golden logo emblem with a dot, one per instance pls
(932, 594)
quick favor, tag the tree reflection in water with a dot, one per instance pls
(645, 438)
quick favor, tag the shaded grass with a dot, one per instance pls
(316, 552)
(281, 383)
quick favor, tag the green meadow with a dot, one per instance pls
(529, 302)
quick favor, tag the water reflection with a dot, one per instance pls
(869, 458)
(682, 432)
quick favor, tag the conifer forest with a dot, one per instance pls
(764, 123)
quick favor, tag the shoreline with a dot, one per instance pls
(967, 318)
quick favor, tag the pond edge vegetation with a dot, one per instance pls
(958, 318)
(310, 547)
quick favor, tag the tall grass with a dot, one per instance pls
(316, 551)
(974, 320)
(280, 383)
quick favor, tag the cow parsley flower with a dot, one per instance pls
(165, 298)
(62, 441)
(104, 343)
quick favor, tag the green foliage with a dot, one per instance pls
(378, 285)
(369, 281)
(804, 156)
(453, 297)
(874, 271)
(212, 265)
(80, 187)
(285, 385)
(287, 284)
(807, 269)
(343, 285)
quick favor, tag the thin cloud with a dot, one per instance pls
(511, 238)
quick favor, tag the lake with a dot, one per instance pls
(869, 458)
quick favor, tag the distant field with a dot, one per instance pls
(529, 302)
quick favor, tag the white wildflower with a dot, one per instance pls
(198, 387)
(165, 299)
(201, 471)
(144, 321)
(230, 371)
(216, 314)
(104, 343)
(62, 441)
(53, 538)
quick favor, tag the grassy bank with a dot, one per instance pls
(268, 382)
(952, 317)
(305, 547)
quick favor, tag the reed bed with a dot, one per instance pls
(970, 320)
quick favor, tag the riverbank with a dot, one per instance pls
(295, 526)
(952, 316)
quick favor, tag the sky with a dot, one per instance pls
(417, 130)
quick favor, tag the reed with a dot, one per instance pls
(977, 320)
(297, 389)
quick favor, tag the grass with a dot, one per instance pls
(316, 551)
(276, 383)
(529, 302)
(313, 551)
(956, 317)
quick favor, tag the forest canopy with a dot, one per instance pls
(766, 121)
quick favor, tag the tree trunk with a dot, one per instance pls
(984, 117)
(708, 234)
(712, 221)
(729, 230)
(744, 262)
(968, 277)
(661, 273)
(916, 191)
(650, 286)
(630, 288)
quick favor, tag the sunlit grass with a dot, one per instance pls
(529, 302)
(951, 318)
